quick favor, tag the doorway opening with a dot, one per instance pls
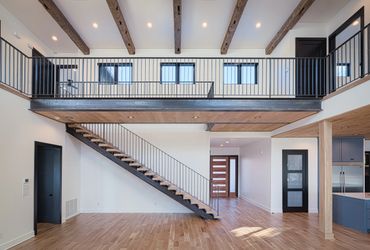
(310, 74)
(295, 180)
(48, 185)
(224, 176)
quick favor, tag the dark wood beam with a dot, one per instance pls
(292, 20)
(62, 21)
(238, 11)
(177, 8)
(121, 24)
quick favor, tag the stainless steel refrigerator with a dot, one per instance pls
(348, 179)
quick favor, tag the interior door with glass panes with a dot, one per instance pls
(295, 181)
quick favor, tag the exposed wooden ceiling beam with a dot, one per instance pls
(297, 13)
(177, 8)
(58, 16)
(121, 24)
(238, 11)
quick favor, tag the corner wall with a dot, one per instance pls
(277, 147)
(20, 128)
(105, 187)
(255, 173)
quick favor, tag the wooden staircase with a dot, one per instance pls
(135, 167)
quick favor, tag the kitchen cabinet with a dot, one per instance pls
(348, 149)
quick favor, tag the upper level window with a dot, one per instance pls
(116, 73)
(178, 73)
(343, 69)
(240, 73)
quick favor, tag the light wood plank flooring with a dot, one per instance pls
(243, 226)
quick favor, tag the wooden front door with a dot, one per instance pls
(220, 176)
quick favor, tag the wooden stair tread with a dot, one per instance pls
(165, 183)
(149, 174)
(97, 140)
(135, 164)
(74, 125)
(105, 145)
(142, 169)
(158, 178)
(120, 155)
(113, 150)
(127, 159)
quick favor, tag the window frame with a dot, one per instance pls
(116, 65)
(347, 65)
(177, 72)
(239, 72)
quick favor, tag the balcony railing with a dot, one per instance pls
(138, 77)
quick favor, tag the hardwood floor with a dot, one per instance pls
(242, 226)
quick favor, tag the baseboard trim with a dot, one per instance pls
(257, 204)
(17, 240)
(70, 217)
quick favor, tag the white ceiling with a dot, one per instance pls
(217, 13)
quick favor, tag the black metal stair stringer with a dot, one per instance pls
(172, 194)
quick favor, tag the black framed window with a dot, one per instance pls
(343, 69)
(116, 73)
(178, 73)
(240, 73)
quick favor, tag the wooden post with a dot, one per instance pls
(326, 197)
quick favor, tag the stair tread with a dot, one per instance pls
(97, 140)
(142, 169)
(135, 164)
(113, 150)
(150, 173)
(120, 155)
(127, 159)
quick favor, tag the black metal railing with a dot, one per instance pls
(162, 164)
(169, 77)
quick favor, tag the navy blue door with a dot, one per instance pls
(48, 183)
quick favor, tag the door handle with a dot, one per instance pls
(51, 195)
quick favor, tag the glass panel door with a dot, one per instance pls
(295, 198)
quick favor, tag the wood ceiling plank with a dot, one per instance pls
(353, 123)
(62, 21)
(177, 11)
(121, 25)
(237, 14)
(292, 20)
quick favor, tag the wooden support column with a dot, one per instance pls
(325, 171)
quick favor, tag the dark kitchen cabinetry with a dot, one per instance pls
(348, 149)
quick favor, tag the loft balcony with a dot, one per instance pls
(61, 86)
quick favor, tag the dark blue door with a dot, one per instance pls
(48, 183)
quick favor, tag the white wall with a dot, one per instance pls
(367, 145)
(277, 146)
(255, 172)
(20, 128)
(225, 150)
(108, 188)
(105, 187)
(10, 25)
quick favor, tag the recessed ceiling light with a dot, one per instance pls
(195, 117)
(258, 25)
(227, 142)
(149, 25)
(204, 24)
(54, 38)
(95, 25)
(357, 22)
(221, 145)
(130, 117)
